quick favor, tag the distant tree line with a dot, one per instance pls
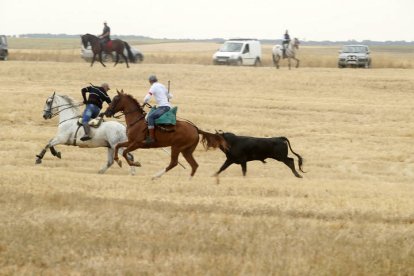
(221, 40)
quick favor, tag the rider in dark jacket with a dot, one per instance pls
(286, 41)
(106, 34)
(97, 95)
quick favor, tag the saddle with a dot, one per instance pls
(95, 123)
(168, 118)
(166, 122)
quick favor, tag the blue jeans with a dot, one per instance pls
(91, 112)
(156, 114)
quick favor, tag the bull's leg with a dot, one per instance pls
(225, 165)
(244, 168)
(290, 162)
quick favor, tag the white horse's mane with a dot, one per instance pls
(71, 101)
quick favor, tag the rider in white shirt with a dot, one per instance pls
(162, 97)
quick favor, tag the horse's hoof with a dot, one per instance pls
(58, 155)
(119, 162)
(38, 161)
(136, 164)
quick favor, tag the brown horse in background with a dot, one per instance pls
(115, 45)
(183, 137)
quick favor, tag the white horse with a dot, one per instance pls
(277, 53)
(107, 135)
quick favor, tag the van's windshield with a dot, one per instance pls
(354, 49)
(231, 47)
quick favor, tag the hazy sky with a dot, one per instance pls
(262, 19)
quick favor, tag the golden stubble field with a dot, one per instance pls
(351, 214)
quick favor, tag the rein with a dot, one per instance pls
(58, 111)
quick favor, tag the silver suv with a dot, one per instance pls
(4, 52)
(354, 56)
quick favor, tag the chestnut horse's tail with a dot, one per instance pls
(130, 54)
(212, 140)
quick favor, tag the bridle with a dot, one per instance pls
(123, 113)
(53, 111)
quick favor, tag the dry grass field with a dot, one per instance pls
(351, 214)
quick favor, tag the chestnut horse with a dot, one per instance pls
(183, 137)
(116, 46)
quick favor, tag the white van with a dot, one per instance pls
(239, 52)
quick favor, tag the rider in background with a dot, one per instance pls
(97, 95)
(286, 41)
(106, 34)
(162, 97)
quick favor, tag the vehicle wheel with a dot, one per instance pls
(340, 66)
(215, 62)
(367, 65)
(239, 62)
(257, 62)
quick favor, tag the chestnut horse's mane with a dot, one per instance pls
(134, 100)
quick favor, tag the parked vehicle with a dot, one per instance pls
(4, 51)
(354, 56)
(239, 52)
(87, 55)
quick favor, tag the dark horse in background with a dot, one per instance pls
(182, 138)
(115, 45)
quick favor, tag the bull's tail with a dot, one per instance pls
(300, 159)
(212, 140)
(130, 54)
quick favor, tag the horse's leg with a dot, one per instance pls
(109, 162)
(297, 62)
(100, 59)
(277, 61)
(173, 162)
(117, 59)
(53, 142)
(130, 157)
(188, 155)
(126, 59)
(93, 59)
(117, 146)
(55, 153)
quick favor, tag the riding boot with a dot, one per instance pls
(151, 137)
(87, 129)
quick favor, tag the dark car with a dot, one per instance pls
(4, 51)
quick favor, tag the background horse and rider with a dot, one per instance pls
(115, 45)
(107, 135)
(292, 47)
(182, 138)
